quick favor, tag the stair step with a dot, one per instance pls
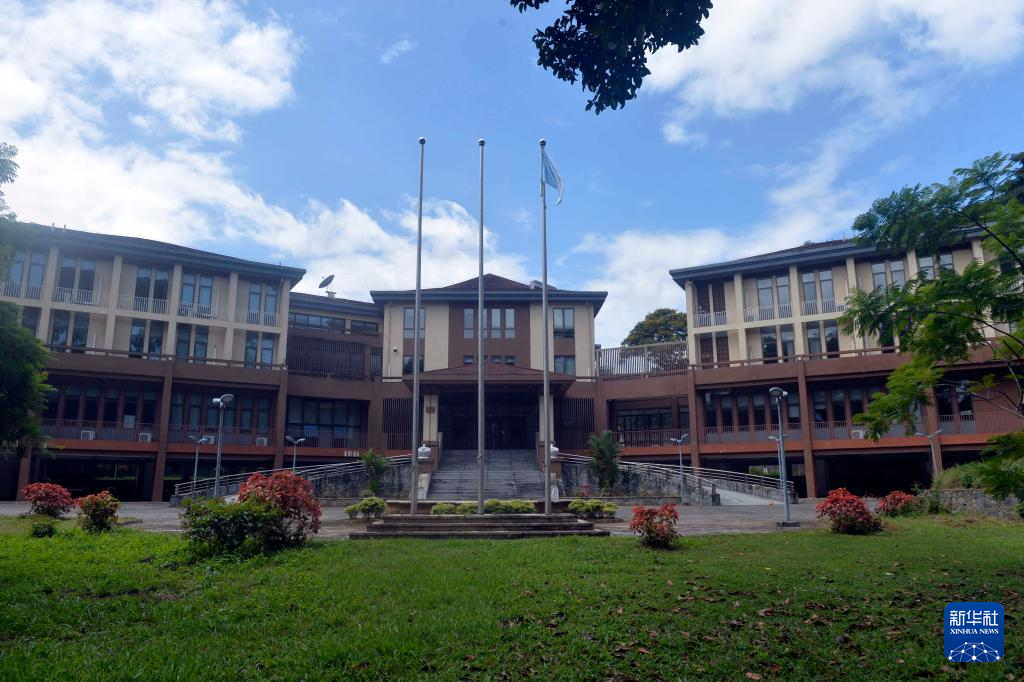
(441, 534)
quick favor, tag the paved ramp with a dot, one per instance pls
(731, 497)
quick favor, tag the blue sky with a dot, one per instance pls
(287, 132)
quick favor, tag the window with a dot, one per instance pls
(565, 364)
(161, 284)
(494, 315)
(17, 271)
(497, 359)
(856, 400)
(143, 279)
(323, 423)
(743, 411)
(255, 294)
(72, 401)
(646, 419)
(510, 323)
(60, 328)
(707, 349)
(926, 264)
(184, 340)
(564, 323)
(820, 406)
(825, 282)
(878, 279)
(468, 325)
(270, 300)
(36, 269)
(467, 359)
(91, 404)
(87, 277)
(832, 338)
(202, 340)
(782, 290)
(407, 364)
(722, 347)
(267, 349)
(188, 293)
(205, 302)
(408, 323)
(156, 337)
(759, 409)
(786, 341)
(80, 331)
(769, 344)
(813, 338)
(362, 326)
(510, 360)
(810, 293)
(66, 274)
(111, 399)
(252, 340)
(899, 274)
(30, 319)
(838, 405)
(764, 298)
(308, 321)
(137, 338)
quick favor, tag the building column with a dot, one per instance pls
(280, 419)
(691, 311)
(46, 294)
(851, 284)
(695, 408)
(112, 303)
(283, 306)
(163, 426)
(930, 424)
(977, 251)
(796, 296)
(24, 473)
(911, 264)
(228, 352)
(806, 427)
(173, 301)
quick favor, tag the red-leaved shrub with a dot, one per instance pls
(98, 512)
(292, 495)
(655, 526)
(48, 499)
(898, 503)
(849, 513)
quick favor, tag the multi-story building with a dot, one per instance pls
(145, 334)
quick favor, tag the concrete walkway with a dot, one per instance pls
(695, 520)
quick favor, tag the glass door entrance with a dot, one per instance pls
(511, 420)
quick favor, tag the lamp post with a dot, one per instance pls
(295, 448)
(779, 396)
(195, 468)
(931, 446)
(682, 481)
(220, 403)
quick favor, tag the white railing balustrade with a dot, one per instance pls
(719, 317)
(756, 314)
(244, 316)
(647, 359)
(10, 289)
(141, 304)
(78, 296)
(198, 311)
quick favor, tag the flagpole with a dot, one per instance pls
(480, 350)
(415, 435)
(544, 311)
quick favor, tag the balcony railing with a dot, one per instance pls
(78, 296)
(753, 433)
(638, 360)
(847, 430)
(141, 304)
(230, 435)
(824, 307)
(650, 438)
(980, 422)
(11, 289)
(758, 314)
(398, 441)
(329, 438)
(212, 362)
(244, 316)
(73, 429)
(198, 311)
(711, 319)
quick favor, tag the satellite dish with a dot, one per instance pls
(326, 281)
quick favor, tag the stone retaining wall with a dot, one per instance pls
(633, 484)
(351, 484)
(974, 501)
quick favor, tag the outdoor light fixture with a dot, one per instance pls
(936, 458)
(682, 481)
(780, 395)
(295, 448)
(195, 469)
(220, 403)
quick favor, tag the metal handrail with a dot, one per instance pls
(204, 486)
(666, 472)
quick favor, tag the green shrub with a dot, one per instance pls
(443, 508)
(43, 527)
(962, 476)
(370, 508)
(376, 467)
(509, 507)
(466, 508)
(592, 509)
(929, 502)
(97, 513)
(215, 527)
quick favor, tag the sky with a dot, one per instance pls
(287, 132)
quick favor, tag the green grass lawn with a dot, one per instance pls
(128, 605)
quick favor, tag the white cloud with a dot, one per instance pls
(189, 70)
(396, 50)
(765, 55)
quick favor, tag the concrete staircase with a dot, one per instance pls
(511, 475)
(487, 527)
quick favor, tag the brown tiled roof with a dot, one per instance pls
(809, 245)
(491, 283)
(493, 370)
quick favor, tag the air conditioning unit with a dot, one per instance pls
(211, 439)
(88, 435)
(145, 437)
(857, 434)
(262, 441)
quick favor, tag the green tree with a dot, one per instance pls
(22, 358)
(1002, 471)
(604, 453)
(944, 316)
(605, 45)
(660, 326)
